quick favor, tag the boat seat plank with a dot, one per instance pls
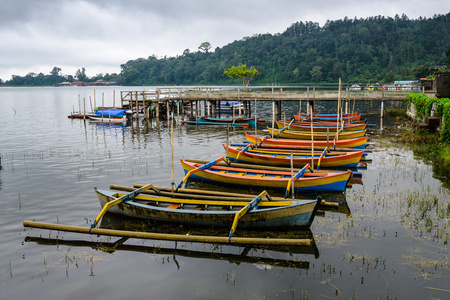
(174, 206)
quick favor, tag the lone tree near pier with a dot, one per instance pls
(243, 73)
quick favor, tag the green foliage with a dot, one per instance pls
(54, 77)
(243, 73)
(424, 104)
(445, 132)
(425, 72)
(205, 46)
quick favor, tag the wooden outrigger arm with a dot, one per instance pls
(125, 197)
(297, 176)
(324, 153)
(251, 205)
(205, 166)
(244, 150)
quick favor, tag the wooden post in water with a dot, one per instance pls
(137, 104)
(312, 140)
(292, 173)
(328, 136)
(307, 100)
(114, 98)
(354, 101)
(95, 103)
(178, 110)
(273, 117)
(314, 100)
(256, 121)
(168, 110)
(338, 109)
(103, 105)
(157, 105)
(90, 101)
(84, 110)
(228, 137)
(348, 101)
(382, 112)
(79, 104)
(240, 104)
(171, 147)
(196, 108)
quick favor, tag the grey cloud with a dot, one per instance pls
(95, 33)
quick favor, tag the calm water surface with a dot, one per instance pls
(388, 240)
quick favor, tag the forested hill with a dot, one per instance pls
(372, 50)
(375, 49)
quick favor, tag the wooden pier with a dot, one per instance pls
(198, 101)
(164, 100)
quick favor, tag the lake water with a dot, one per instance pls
(388, 240)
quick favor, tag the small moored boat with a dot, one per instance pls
(109, 116)
(328, 117)
(222, 121)
(282, 157)
(306, 126)
(264, 214)
(302, 181)
(356, 143)
(305, 135)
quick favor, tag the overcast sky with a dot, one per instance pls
(100, 35)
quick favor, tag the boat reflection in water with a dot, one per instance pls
(266, 256)
(336, 203)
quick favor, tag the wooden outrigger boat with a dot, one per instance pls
(223, 121)
(265, 214)
(231, 120)
(255, 212)
(109, 116)
(357, 143)
(282, 157)
(302, 181)
(331, 123)
(304, 135)
(328, 117)
(318, 127)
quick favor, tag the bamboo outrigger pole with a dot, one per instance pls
(170, 237)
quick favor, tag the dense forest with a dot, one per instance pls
(372, 50)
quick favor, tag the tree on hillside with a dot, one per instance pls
(243, 73)
(55, 72)
(205, 46)
(81, 75)
(447, 53)
(316, 73)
